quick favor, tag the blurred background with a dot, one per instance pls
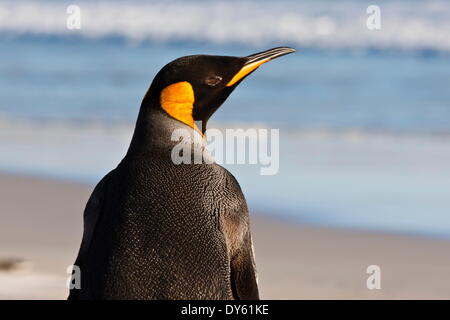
(364, 115)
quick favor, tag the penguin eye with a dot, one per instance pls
(213, 81)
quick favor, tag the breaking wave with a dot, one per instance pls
(405, 25)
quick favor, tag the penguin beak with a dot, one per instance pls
(255, 60)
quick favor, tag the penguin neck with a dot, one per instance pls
(155, 129)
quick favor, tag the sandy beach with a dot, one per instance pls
(41, 225)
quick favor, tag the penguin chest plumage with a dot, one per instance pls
(169, 228)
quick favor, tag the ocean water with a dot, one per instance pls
(364, 116)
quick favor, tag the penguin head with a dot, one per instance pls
(192, 88)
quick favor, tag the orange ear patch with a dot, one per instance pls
(178, 101)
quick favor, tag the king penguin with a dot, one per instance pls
(157, 229)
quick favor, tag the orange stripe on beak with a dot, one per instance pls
(246, 70)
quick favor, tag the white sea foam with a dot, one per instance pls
(406, 25)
